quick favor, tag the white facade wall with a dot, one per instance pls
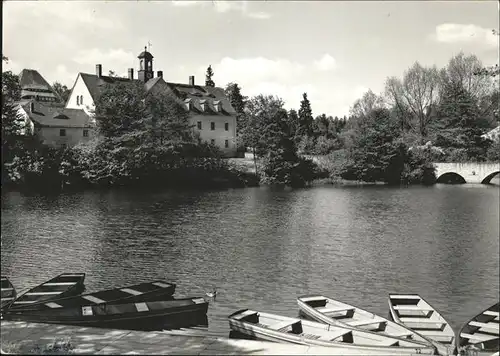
(80, 89)
(219, 134)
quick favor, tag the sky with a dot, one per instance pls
(333, 50)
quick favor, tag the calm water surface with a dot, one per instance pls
(262, 248)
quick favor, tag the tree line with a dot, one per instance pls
(428, 115)
(145, 139)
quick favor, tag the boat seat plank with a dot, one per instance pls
(282, 325)
(244, 314)
(93, 299)
(404, 296)
(42, 293)
(310, 336)
(412, 307)
(59, 284)
(332, 336)
(131, 291)
(53, 305)
(310, 299)
(363, 322)
(334, 310)
(491, 313)
(7, 289)
(403, 334)
(421, 320)
(489, 326)
(478, 337)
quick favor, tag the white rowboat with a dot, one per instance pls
(329, 311)
(278, 328)
(415, 313)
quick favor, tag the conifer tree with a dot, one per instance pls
(208, 77)
(305, 118)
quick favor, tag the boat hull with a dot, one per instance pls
(142, 292)
(8, 293)
(156, 315)
(427, 327)
(64, 285)
(263, 333)
(311, 313)
(483, 330)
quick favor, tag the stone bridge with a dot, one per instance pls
(471, 172)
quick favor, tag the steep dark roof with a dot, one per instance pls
(32, 82)
(196, 93)
(52, 116)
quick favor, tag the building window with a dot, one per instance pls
(212, 126)
(199, 125)
(62, 132)
(85, 133)
(226, 143)
(63, 145)
(212, 141)
(226, 126)
(81, 99)
(78, 100)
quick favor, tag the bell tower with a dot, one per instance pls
(145, 66)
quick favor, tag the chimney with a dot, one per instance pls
(191, 80)
(32, 106)
(160, 74)
(131, 73)
(98, 70)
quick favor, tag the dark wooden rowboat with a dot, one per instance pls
(142, 292)
(64, 285)
(481, 333)
(8, 293)
(155, 315)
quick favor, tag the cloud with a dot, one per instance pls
(185, 3)
(326, 62)
(259, 15)
(112, 59)
(288, 80)
(461, 33)
(224, 7)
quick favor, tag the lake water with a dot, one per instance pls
(262, 248)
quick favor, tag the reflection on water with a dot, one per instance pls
(262, 248)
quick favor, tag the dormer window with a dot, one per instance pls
(187, 103)
(81, 99)
(78, 100)
(203, 104)
(217, 105)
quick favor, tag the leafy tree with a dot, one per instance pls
(305, 126)
(208, 77)
(375, 154)
(237, 100)
(12, 121)
(62, 91)
(415, 95)
(491, 71)
(461, 126)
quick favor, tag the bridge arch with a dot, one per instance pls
(471, 172)
(489, 177)
(450, 178)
